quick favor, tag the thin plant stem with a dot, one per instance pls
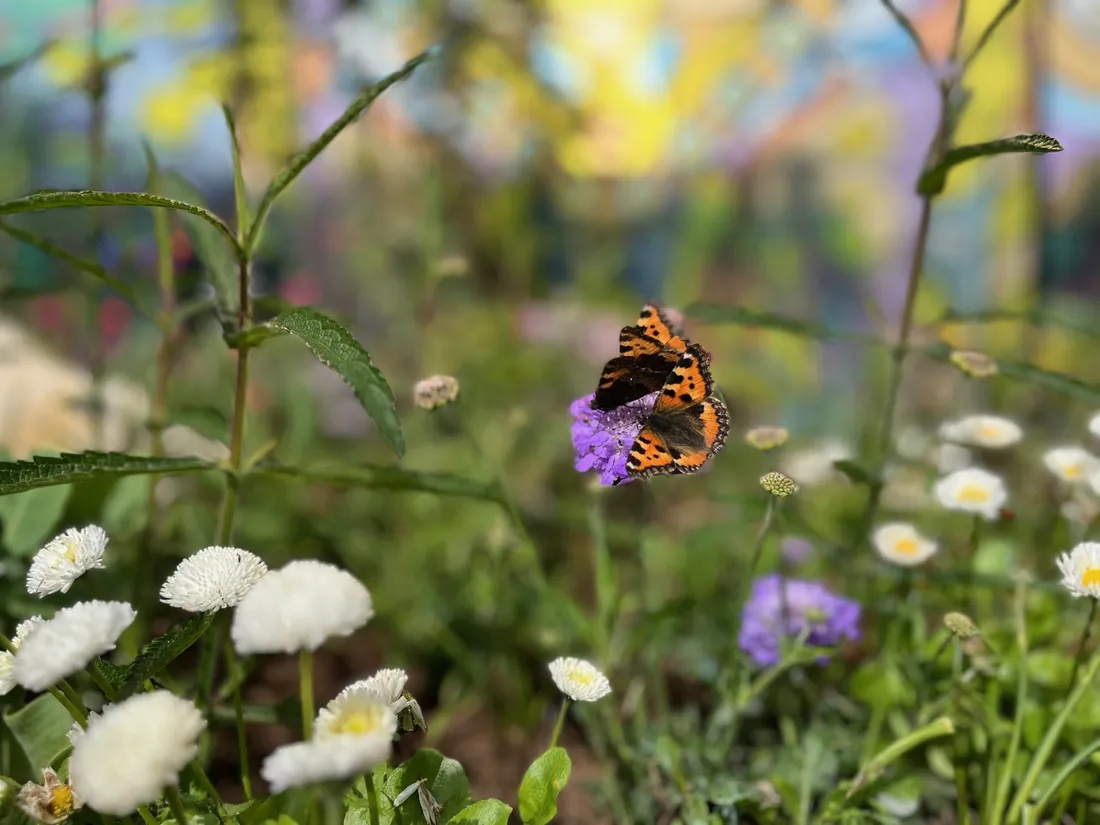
(372, 800)
(70, 691)
(1005, 10)
(560, 723)
(240, 401)
(75, 710)
(907, 26)
(208, 786)
(1008, 768)
(238, 713)
(604, 577)
(305, 677)
(1086, 631)
(175, 804)
(102, 682)
(96, 84)
(147, 815)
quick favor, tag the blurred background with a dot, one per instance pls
(499, 217)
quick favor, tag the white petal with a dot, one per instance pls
(322, 760)
(581, 681)
(66, 643)
(212, 579)
(65, 559)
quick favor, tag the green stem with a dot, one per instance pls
(97, 90)
(102, 682)
(1067, 770)
(372, 800)
(1046, 747)
(305, 675)
(238, 712)
(175, 804)
(240, 401)
(147, 815)
(75, 709)
(1085, 632)
(204, 780)
(560, 723)
(604, 576)
(1008, 769)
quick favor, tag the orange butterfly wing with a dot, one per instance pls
(641, 368)
(657, 325)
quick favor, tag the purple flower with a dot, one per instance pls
(602, 440)
(810, 606)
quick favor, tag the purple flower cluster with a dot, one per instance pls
(811, 606)
(602, 440)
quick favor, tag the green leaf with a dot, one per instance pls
(77, 198)
(41, 728)
(335, 347)
(709, 313)
(933, 180)
(48, 471)
(1025, 316)
(12, 66)
(239, 193)
(30, 517)
(485, 812)
(544, 780)
(83, 264)
(301, 160)
(254, 337)
(217, 258)
(162, 234)
(390, 478)
(856, 473)
(444, 777)
(124, 509)
(163, 650)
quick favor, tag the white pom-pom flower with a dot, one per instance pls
(901, 544)
(1094, 425)
(1081, 570)
(972, 490)
(212, 579)
(134, 750)
(389, 685)
(1071, 464)
(65, 559)
(354, 732)
(581, 681)
(298, 607)
(7, 659)
(66, 643)
(990, 431)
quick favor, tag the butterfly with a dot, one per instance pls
(648, 352)
(688, 424)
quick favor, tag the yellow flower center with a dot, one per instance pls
(1072, 471)
(360, 722)
(62, 801)
(70, 550)
(1090, 577)
(907, 546)
(973, 494)
(988, 432)
(581, 677)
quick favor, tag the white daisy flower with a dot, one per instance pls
(1094, 425)
(66, 643)
(212, 579)
(989, 431)
(66, 559)
(298, 607)
(1071, 464)
(7, 659)
(1081, 570)
(972, 490)
(581, 681)
(359, 713)
(134, 750)
(951, 457)
(389, 685)
(901, 544)
(321, 760)
(48, 803)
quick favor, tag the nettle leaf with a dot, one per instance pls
(337, 349)
(239, 193)
(396, 479)
(1033, 317)
(30, 517)
(485, 812)
(544, 780)
(88, 267)
(48, 471)
(41, 728)
(742, 316)
(77, 198)
(444, 777)
(301, 160)
(163, 650)
(855, 472)
(933, 180)
(218, 258)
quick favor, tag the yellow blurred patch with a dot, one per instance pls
(67, 63)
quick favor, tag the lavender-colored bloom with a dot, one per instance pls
(810, 605)
(795, 550)
(602, 440)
